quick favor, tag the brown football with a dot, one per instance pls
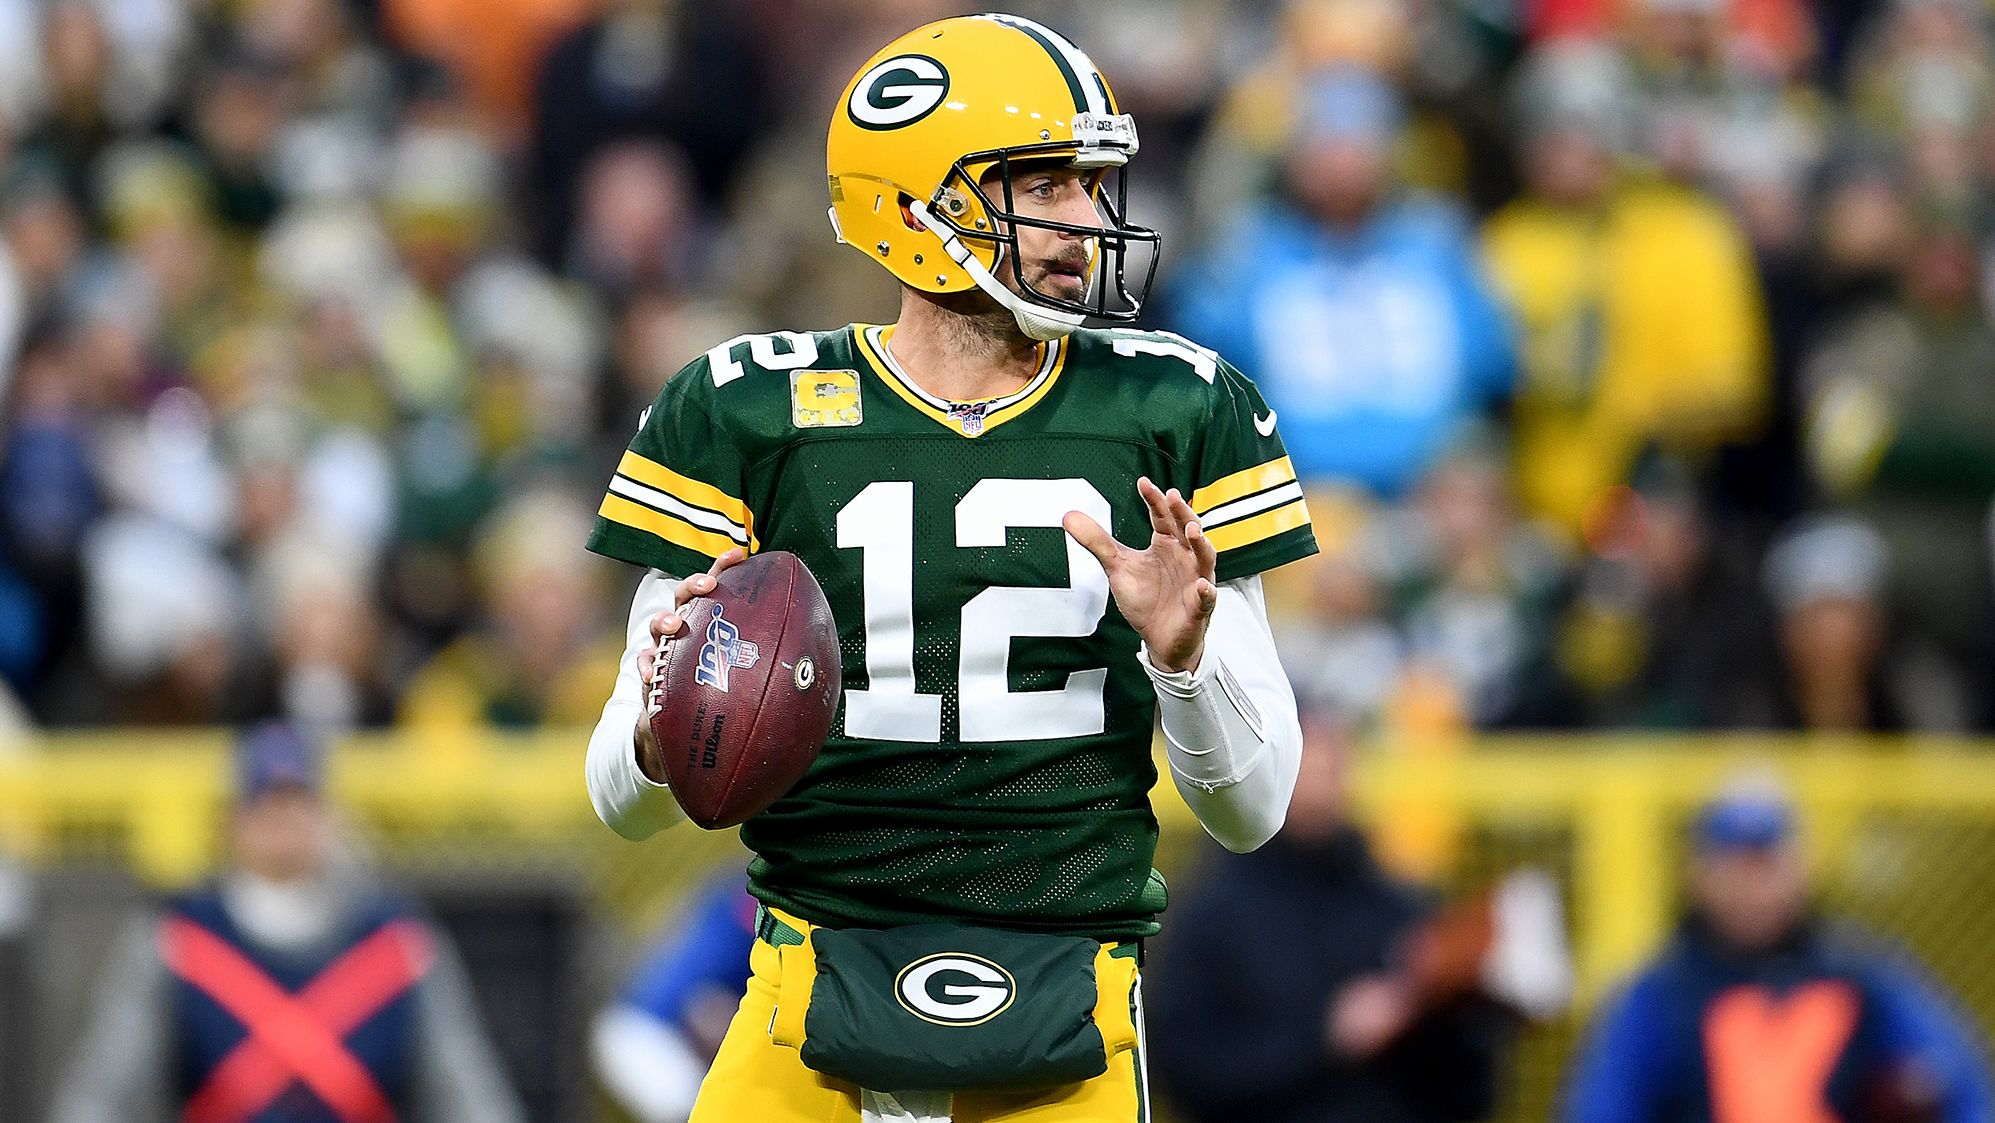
(743, 697)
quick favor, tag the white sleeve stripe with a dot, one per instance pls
(1250, 506)
(665, 504)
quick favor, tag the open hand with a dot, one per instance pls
(664, 626)
(1167, 591)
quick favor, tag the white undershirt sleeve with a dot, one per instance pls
(629, 802)
(1230, 727)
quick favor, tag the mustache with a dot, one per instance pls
(1077, 262)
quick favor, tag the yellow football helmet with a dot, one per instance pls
(934, 112)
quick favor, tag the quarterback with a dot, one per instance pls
(1038, 537)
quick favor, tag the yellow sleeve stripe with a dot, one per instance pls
(1265, 525)
(671, 528)
(686, 489)
(1241, 484)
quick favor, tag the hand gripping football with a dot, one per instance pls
(743, 697)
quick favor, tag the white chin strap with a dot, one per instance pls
(1034, 320)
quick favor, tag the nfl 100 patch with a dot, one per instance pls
(825, 399)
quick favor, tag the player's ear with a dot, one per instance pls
(907, 213)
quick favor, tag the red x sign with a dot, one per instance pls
(295, 1037)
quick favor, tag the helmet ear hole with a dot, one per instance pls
(907, 213)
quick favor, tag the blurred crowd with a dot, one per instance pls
(1638, 352)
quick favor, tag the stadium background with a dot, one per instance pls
(328, 317)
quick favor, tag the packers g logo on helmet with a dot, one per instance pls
(899, 91)
(924, 146)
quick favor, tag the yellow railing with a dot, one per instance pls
(1901, 833)
(1613, 806)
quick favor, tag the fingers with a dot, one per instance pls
(665, 625)
(700, 584)
(1203, 551)
(1208, 596)
(1162, 519)
(1092, 538)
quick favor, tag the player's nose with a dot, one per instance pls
(1077, 208)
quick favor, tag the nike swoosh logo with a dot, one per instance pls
(644, 418)
(1265, 426)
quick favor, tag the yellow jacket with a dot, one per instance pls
(1641, 323)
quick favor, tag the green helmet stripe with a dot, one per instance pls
(1059, 56)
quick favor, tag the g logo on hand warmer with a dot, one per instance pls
(955, 989)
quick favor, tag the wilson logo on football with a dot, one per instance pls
(723, 650)
(955, 989)
(899, 91)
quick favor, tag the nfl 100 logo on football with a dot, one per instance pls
(723, 649)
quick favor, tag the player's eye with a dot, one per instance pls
(1041, 189)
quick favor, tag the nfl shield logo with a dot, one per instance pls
(970, 415)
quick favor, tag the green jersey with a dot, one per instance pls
(991, 761)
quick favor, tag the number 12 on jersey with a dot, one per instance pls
(879, 522)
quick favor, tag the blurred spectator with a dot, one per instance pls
(49, 497)
(1339, 643)
(1361, 313)
(1668, 628)
(1620, 352)
(1476, 589)
(238, 112)
(1899, 387)
(1447, 594)
(1716, 104)
(659, 69)
(1827, 578)
(494, 49)
(542, 645)
(654, 1043)
(1336, 1007)
(1761, 1010)
(637, 223)
(293, 988)
(1923, 73)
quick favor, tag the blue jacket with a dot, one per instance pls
(1374, 346)
(1707, 1036)
(707, 954)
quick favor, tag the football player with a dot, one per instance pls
(1036, 536)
